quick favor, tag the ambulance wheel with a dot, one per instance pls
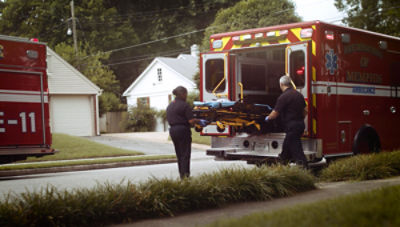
(220, 129)
(366, 141)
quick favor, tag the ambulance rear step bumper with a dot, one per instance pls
(256, 157)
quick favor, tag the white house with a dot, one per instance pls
(74, 107)
(155, 84)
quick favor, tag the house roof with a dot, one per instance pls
(185, 65)
(63, 78)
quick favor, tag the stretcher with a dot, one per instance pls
(243, 117)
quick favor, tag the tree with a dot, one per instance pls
(141, 118)
(381, 16)
(248, 14)
(95, 71)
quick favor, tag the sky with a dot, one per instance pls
(323, 10)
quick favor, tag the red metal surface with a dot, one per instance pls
(24, 101)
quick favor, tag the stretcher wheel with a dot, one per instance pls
(219, 129)
(198, 129)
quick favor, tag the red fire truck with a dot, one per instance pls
(24, 100)
(349, 78)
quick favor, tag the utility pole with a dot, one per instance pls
(74, 27)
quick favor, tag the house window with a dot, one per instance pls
(159, 74)
(143, 101)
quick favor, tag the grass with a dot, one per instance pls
(197, 138)
(76, 162)
(375, 208)
(363, 167)
(73, 147)
(123, 202)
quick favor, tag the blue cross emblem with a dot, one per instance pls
(331, 62)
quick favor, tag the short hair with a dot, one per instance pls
(286, 81)
(179, 91)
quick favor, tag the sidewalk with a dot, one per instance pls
(324, 191)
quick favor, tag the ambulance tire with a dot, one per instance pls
(366, 141)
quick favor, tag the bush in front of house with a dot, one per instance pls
(142, 118)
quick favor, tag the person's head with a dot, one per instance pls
(285, 82)
(180, 92)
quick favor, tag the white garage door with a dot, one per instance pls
(72, 115)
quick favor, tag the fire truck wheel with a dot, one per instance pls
(366, 141)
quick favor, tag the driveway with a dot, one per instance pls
(150, 143)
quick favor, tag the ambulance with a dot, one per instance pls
(349, 77)
(24, 100)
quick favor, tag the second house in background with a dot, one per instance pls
(155, 84)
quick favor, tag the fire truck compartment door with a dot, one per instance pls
(297, 66)
(22, 104)
(215, 83)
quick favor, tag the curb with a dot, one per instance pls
(22, 172)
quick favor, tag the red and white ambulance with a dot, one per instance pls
(349, 77)
(24, 100)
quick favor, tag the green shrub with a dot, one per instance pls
(154, 198)
(141, 118)
(192, 96)
(363, 167)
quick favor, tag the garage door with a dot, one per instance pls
(72, 115)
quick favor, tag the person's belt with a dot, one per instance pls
(180, 125)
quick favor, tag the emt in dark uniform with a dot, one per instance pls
(180, 118)
(292, 108)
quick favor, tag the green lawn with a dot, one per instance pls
(375, 208)
(197, 138)
(73, 147)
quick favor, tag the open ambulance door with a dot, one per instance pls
(297, 66)
(215, 84)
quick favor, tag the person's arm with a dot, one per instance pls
(305, 111)
(273, 115)
(194, 121)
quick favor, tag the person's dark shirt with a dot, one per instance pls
(290, 106)
(179, 113)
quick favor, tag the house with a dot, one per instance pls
(154, 85)
(74, 107)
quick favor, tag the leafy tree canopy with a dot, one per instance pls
(248, 14)
(379, 16)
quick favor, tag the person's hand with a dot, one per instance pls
(266, 119)
(203, 123)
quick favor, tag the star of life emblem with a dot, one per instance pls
(331, 62)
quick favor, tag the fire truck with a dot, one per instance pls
(24, 100)
(349, 78)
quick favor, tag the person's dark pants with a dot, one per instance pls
(181, 136)
(292, 149)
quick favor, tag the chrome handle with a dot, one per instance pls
(366, 112)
